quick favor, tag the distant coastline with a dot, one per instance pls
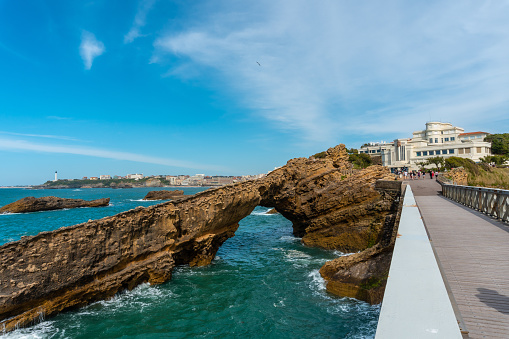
(151, 182)
(16, 186)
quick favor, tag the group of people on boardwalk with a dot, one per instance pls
(414, 175)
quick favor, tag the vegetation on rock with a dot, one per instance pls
(482, 175)
(360, 160)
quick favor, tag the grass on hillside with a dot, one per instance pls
(494, 178)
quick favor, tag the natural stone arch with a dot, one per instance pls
(328, 203)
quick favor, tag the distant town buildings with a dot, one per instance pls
(438, 139)
(177, 180)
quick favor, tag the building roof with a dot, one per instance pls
(471, 133)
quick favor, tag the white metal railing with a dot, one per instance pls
(491, 201)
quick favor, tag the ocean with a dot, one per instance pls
(263, 283)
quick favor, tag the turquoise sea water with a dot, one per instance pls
(262, 284)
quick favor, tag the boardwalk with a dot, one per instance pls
(473, 251)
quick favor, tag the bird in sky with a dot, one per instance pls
(258, 63)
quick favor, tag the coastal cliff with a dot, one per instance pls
(330, 204)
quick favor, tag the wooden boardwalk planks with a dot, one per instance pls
(473, 250)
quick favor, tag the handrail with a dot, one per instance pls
(491, 201)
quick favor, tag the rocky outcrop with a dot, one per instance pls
(330, 205)
(73, 266)
(32, 204)
(272, 211)
(363, 275)
(164, 195)
(154, 183)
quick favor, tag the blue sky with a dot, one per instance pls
(236, 87)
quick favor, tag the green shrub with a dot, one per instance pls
(320, 155)
(360, 160)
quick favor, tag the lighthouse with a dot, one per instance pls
(55, 176)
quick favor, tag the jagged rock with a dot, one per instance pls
(272, 211)
(363, 275)
(329, 204)
(164, 194)
(32, 204)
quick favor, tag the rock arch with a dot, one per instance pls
(330, 205)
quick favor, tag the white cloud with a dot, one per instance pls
(90, 48)
(334, 67)
(23, 145)
(139, 20)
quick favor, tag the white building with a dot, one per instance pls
(438, 139)
(172, 179)
(134, 176)
(105, 177)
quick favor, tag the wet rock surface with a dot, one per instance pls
(330, 205)
(32, 204)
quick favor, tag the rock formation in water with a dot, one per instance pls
(32, 204)
(330, 205)
(164, 195)
(363, 275)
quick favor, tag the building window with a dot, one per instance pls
(418, 154)
(430, 140)
(467, 150)
(444, 151)
(452, 139)
(378, 151)
(436, 140)
(425, 153)
(446, 139)
(460, 150)
(479, 149)
(451, 151)
(431, 152)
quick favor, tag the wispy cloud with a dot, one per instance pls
(90, 48)
(332, 68)
(58, 137)
(23, 145)
(139, 20)
(16, 54)
(56, 117)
